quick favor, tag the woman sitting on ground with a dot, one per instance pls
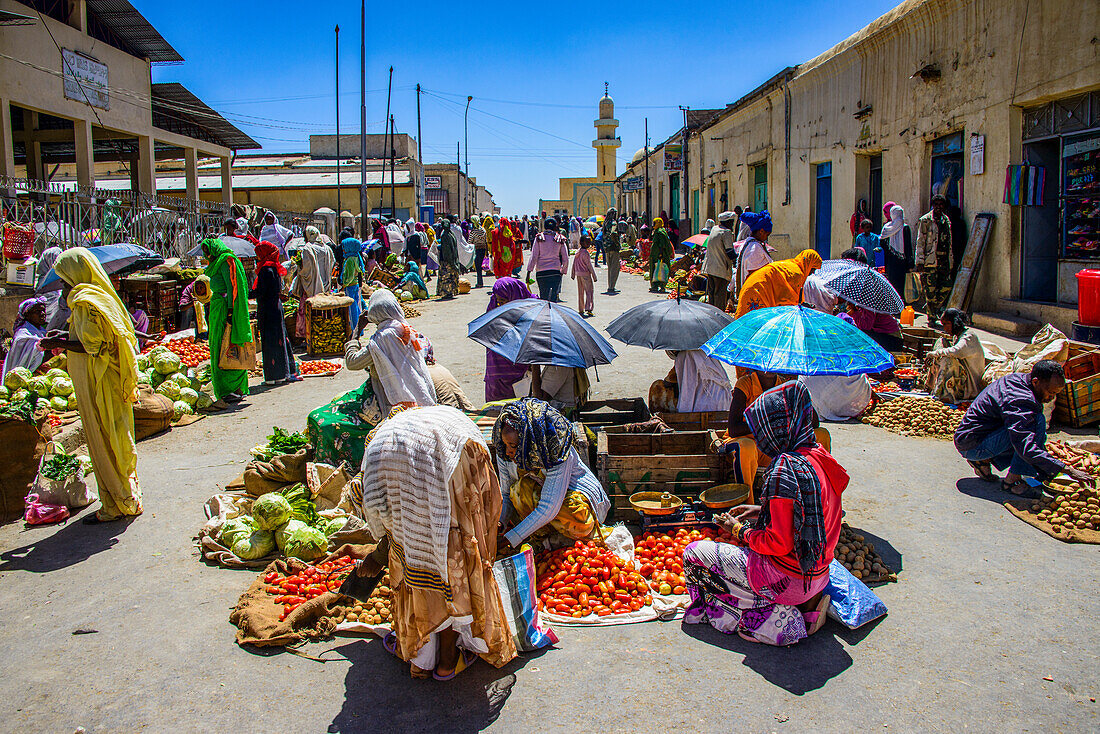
(29, 330)
(956, 363)
(543, 479)
(768, 587)
(430, 494)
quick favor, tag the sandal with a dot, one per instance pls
(984, 470)
(1021, 489)
(815, 620)
(465, 660)
(389, 642)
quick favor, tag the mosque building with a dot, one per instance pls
(584, 197)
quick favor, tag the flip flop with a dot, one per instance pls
(389, 642)
(1021, 489)
(983, 469)
(816, 619)
(466, 660)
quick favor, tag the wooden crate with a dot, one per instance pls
(1078, 404)
(680, 463)
(597, 414)
(919, 340)
(1084, 361)
(700, 421)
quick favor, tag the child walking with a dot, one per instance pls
(585, 275)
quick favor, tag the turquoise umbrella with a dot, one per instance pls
(795, 340)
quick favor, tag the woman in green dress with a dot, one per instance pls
(660, 257)
(228, 309)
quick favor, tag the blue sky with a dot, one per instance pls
(536, 72)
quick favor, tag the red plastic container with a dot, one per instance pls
(1088, 297)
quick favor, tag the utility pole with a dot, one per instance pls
(338, 210)
(393, 177)
(364, 208)
(466, 139)
(647, 202)
(419, 159)
(386, 139)
(684, 168)
(458, 177)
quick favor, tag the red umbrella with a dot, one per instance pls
(696, 239)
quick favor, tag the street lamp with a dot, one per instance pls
(466, 144)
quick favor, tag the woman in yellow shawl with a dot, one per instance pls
(102, 362)
(777, 284)
(228, 309)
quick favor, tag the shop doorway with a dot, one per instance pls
(874, 189)
(673, 198)
(823, 211)
(947, 168)
(760, 187)
(1040, 247)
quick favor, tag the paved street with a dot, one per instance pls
(985, 609)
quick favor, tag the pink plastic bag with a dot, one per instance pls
(39, 513)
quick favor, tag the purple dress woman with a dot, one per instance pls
(501, 374)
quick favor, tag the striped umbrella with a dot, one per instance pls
(795, 340)
(531, 331)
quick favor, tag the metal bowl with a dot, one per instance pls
(726, 495)
(649, 503)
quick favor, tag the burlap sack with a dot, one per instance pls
(21, 448)
(256, 615)
(152, 413)
(261, 477)
(1022, 510)
(327, 484)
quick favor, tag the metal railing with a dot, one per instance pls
(69, 215)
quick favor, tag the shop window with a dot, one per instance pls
(760, 187)
(1081, 196)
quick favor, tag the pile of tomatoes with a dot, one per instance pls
(311, 582)
(906, 373)
(318, 367)
(190, 353)
(587, 578)
(662, 555)
(886, 387)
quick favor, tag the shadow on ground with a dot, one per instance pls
(381, 696)
(73, 543)
(983, 490)
(798, 669)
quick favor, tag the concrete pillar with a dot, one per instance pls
(78, 15)
(147, 165)
(33, 146)
(227, 181)
(191, 172)
(7, 151)
(85, 163)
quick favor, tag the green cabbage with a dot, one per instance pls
(19, 395)
(181, 379)
(144, 362)
(166, 363)
(144, 378)
(55, 373)
(333, 525)
(301, 502)
(257, 545)
(188, 396)
(169, 390)
(204, 401)
(71, 402)
(298, 540)
(59, 405)
(234, 530)
(39, 385)
(180, 408)
(5, 393)
(61, 386)
(271, 511)
(17, 378)
(155, 378)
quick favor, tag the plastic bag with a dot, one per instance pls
(515, 578)
(71, 491)
(40, 513)
(853, 603)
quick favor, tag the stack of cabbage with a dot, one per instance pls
(287, 520)
(54, 387)
(162, 370)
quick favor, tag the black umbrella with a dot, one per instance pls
(673, 323)
(531, 331)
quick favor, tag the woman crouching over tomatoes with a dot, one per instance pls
(768, 586)
(552, 491)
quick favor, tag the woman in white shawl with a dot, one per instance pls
(695, 384)
(30, 328)
(275, 233)
(314, 275)
(394, 355)
(898, 239)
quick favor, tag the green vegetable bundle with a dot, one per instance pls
(281, 442)
(60, 466)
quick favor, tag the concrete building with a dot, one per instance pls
(75, 88)
(450, 192)
(957, 97)
(584, 197)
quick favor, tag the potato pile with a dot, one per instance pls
(915, 417)
(859, 556)
(1077, 458)
(410, 312)
(375, 610)
(1077, 509)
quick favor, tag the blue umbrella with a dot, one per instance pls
(796, 340)
(531, 331)
(114, 259)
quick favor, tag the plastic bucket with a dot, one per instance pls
(1088, 297)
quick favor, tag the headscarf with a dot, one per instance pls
(545, 435)
(267, 254)
(25, 308)
(757, 220)
(242, 228)
(384, 306)
(352, 248)
(397, 354)
(709, 225)
(778, 283)
(275, 233)
(658, 222)
(412, 273)
(219, 254)
(313, 234)
(202, 290)
(506, 290)
(894, 230)
(92, 291)
(782, 421)
(817, 295)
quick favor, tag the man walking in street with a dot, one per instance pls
(934, 257)
(611, 249)
(718, 263)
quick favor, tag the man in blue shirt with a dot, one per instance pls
(1005, 427)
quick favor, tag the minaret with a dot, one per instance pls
(606, 141)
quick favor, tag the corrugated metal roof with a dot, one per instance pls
(177, 110)
(256, 181)
(123, 19)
